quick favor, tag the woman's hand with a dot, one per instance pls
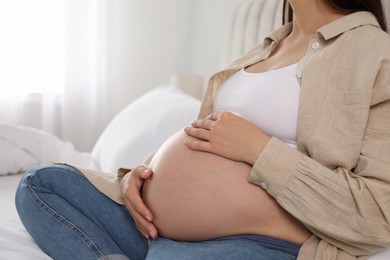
(227, 135)
(131, 189)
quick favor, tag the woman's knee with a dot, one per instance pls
(42, 177)
(31, 177)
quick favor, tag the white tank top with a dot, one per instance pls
(268, 100)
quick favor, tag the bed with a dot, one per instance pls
(175, 105)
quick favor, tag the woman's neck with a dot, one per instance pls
(311, 15)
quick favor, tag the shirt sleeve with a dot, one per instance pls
(349, 209)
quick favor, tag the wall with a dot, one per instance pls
(149, 40)
(208, 22)
(142, 40)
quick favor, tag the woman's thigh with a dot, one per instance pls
(68, 217)
(166, 249)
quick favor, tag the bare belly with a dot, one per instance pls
(198, 196)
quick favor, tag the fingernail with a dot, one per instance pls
(149, 218)
(153, 236)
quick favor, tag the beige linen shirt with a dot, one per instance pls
(338, 181)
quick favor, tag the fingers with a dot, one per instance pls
(202, 130)
(198, 145)
(131, 186)
(203, 123)
(137, 203)
(208, 122)
(145, 226)
(214, 115)
(200, 140)
(198, 133)
(146, 174)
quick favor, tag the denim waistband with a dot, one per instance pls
(268, 242)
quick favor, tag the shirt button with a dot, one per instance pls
(264, 185)
(315, 45)
(299, 74)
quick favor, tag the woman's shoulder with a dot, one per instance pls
(371, 39)
(359, 31)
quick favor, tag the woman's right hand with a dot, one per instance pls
(131, 189)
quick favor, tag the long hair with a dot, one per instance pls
(346, 6)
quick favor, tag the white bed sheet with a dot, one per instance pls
(15, 242)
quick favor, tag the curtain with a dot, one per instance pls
(84, 105)
(53, 67)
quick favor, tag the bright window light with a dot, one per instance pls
(32, 46)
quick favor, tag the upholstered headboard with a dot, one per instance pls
(250, 23)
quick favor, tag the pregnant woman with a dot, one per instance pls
(289, 158)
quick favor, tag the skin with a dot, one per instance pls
(225, 134)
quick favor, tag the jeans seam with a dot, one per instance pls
(66, 223)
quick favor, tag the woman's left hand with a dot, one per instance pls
(227, 135)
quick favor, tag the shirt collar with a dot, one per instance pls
(347, 23)
(330, 30)
(278, 35)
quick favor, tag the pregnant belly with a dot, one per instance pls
(198, 196)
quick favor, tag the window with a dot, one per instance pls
(32, 46)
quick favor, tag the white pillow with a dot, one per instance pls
(142, 127)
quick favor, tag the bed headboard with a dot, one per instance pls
(250, 22)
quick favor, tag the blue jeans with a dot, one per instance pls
(70, 219)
